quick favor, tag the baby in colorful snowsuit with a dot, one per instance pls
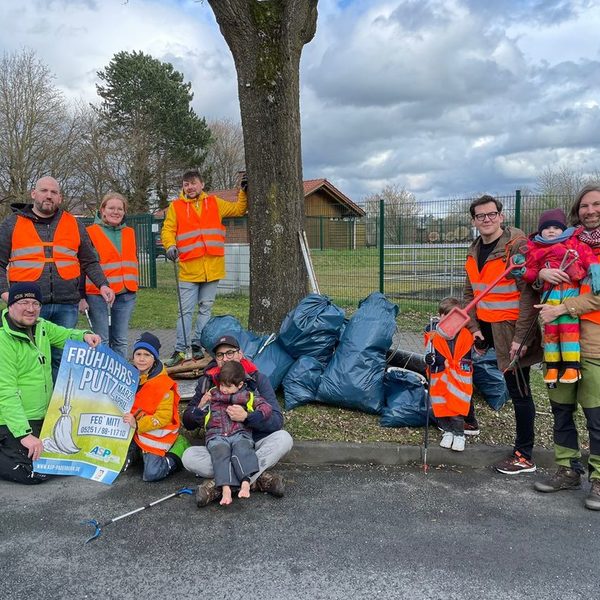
(554, 246)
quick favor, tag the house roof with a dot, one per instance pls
(310, 186)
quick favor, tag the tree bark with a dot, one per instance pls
(266, 39)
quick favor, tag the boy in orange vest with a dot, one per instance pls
(154, 414)
(230, 442)
(450, 380)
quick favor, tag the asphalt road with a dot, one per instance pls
(340, 532)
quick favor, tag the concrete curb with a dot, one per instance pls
(384, 453)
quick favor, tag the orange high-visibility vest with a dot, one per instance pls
(27, 256)
(450, 390)
(147, 399)
(121, 270)
(502, 303)
(586, 288)
(202, 234)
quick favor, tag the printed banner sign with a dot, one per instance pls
(83, 432)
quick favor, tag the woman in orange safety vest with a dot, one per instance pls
(115, 245)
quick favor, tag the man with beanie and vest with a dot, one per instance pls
(556, 246)
(193, 233)
(564, 397)
(154, 414)
(44, 244)
(503, 319)
(271, 441)
(26, 379)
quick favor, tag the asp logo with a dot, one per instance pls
(103, 454)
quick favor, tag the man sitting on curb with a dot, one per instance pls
(271, 441)
(26, 379)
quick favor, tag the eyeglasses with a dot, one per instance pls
(29, 304)
(227, 353)
(492, 216)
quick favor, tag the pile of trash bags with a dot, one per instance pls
(320, 356)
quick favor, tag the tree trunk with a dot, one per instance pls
(266, 39)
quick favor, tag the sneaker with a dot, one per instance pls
(458, 443)
(592, 500)
(472, 429)
(176, 358)
(551, 376)
(570, 376)
(447, 439)
(564, 479)
(197, 353)
(515, 464)
(207, 492)
(271, 483)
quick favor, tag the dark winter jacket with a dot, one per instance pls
(220, 423)
(256, 382)
(55, 289)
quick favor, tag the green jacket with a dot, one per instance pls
(26, 372)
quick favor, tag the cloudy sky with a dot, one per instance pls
(445, 98)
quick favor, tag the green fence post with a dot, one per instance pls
(518, 209)
(321, 235)
(381, 244)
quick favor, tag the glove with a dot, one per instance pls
(172, 253)
(517, 273)
(594, 272)
(244, 183)
(429, 359)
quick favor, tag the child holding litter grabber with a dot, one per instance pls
(450, 380)
(154, 414)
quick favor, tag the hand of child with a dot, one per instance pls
(204, 400)
(130, 420)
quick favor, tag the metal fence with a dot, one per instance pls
(413, 253)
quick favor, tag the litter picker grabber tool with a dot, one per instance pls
(308, 263)
(429, 353)
(100, 526)
(87, 316)
(188, 351)
(451, 323)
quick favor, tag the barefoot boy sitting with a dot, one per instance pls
(230, 442)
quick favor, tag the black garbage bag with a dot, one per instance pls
(405, 399)
(229, 325)
(312, 328)
(301, 383)
(274, 362)
(354, 376)
(489, 380)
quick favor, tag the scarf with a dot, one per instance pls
(563, 237)
(591, 238)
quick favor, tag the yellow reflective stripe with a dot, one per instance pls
(250, 403)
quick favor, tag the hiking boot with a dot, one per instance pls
(551, 376)
(563, 479)
(515, 464)
(176, 358)
(197, 353)
(446, 441)
(592, 500)
(570, 376)
(472, 429)
(272, 483)
(207, 492)
(458, 443)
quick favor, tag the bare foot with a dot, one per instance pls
(244, 490)
(226, 499)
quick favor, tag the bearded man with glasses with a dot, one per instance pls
(271, 442)
(503, 319)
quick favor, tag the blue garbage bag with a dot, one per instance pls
(405, 399)
(354, 376)
(229, 325)
(301, 383)
(274, 362)
(312, 328)
(489, 380)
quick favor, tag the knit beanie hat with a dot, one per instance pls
(555, 216)
(148, 342)
(22, 290)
